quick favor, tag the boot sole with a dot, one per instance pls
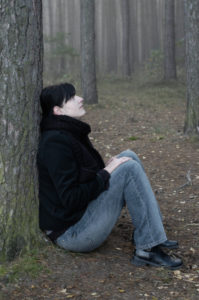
(140, 262)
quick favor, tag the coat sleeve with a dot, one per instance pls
(63, 170)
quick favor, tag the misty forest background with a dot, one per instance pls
(129, 35)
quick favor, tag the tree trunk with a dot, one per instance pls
(126, 69)
(88, 73)
(20, 86)
(139, 31)
(192, 65)
(100, 41)
(169, 41)
(61, 31)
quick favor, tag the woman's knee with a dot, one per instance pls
(130, 166)
(129, 153)
(77, 245)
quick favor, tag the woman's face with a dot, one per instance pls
(72, 108)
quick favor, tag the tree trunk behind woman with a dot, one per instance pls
(169, 41)
(88, 73)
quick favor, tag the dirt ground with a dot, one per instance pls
(149, 120)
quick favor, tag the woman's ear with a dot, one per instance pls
(57, 110)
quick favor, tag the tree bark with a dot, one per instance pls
(20, 86)
(88, 73)
(126, 69)
(139, 31)
(169, 41)
(61, 30)
(192, 65)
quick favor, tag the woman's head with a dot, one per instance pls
(55, 96)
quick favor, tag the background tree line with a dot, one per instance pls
(128, 33)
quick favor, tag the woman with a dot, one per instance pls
(81, 198)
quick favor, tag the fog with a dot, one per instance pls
(127, 32)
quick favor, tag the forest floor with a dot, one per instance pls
(148, 119)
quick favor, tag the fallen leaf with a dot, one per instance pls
(192, 250)
(177, 272)
(63, 291)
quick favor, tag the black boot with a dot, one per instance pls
(155, 257)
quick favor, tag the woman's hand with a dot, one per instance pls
(115, 162)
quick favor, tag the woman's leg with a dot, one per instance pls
(133, 155)
(127, 183)
(98, 220)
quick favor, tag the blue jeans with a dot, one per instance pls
(128, 184)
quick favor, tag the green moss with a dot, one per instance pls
(133, 138)
(161, 137)
(2, 177)
(22, 232)
(28, 265)
(3, 271)
(15, 246)
(194, 138)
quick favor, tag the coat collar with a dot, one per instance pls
(67, 123)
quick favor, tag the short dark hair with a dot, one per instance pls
(55, 95)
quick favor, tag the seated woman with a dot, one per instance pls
(80, 198)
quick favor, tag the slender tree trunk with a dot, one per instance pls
(88, 73)
(20, 86)
(154, 33)
(61, 31)
(99, 8)
(52, 29)
(160, 22)
(192, 65)
(126, 70)
(169, 41)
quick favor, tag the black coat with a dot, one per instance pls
(70, 170)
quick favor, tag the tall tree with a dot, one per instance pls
(192, 65)
(126, 37)
(20, 86)
(169, 41)
(61, 29)
(88, 73)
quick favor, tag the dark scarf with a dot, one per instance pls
(76, 127)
